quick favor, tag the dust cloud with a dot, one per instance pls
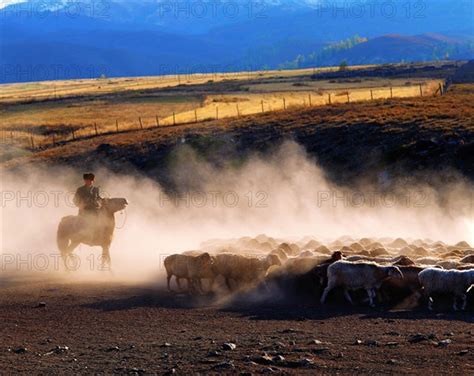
(286, 196)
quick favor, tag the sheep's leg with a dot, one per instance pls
(464, 301)
(168, 280)
(211, 285)
(371, 294)
(178, 281)
(199, 286)
(347, 295)
(326, 291)
(381, 296)
(430, 303)
(455, 303)
(227, 282)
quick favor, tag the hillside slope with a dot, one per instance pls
(350, 141)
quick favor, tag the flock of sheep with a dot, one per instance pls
(388, 270)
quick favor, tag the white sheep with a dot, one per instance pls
(456, 282)
(358, 275)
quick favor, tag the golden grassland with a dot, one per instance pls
(40, 124)
(59, 89)
(451, 115)
(225, 106)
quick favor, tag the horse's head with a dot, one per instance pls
(114, 205)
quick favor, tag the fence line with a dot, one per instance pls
(223, 110)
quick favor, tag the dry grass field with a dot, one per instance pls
(72, 88)
(43, 123)
(433, 132)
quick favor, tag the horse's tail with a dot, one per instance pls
(62, 236)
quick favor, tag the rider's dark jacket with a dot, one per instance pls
(87, 199)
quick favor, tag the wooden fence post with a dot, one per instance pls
(440, 89)
(284, 103)
(348, 99)
(238, 110)
(95, 127)
(421, 91)
(217, 112)
(116, 125)
(309, 97)
(174, 118)
(262, 106)
(371, 95)
(329, 98)
(157, 121)
(195, 116)
(391, 92)
(11, 136)
(32, 142)
(140, 120)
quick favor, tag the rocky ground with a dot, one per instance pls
(57, 327)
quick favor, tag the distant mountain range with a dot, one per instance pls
(390, 48)
(87, 38)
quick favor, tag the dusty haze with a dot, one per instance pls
(286, 196)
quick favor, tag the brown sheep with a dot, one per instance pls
(467, 260)
(357, 247)
(462, 245)
(306, 284)
(280, 253)
(398, 243)
(323, 249)
(242, 270)
(402, 261)
(287, 249)
(452, 254)
(396, 289)
(311, 244)
(191, 268)
(379, 252)
(420, 251)
(346, 249)
(301, 265)
(375, 245)
(366, 241)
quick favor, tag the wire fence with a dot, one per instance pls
(221, 107)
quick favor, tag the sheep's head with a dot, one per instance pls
(205, 261)
(336, 256)
(273, 260)
(394, 272)
(404, 261)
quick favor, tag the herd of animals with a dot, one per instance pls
(383, 270)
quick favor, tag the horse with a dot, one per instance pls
(92, 230)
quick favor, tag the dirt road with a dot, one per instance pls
(53, 326)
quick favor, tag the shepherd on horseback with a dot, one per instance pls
(95, 224)
(87, 197)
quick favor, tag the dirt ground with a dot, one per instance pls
(50, 326)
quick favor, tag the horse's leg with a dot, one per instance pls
(68, 253)
(106, 260)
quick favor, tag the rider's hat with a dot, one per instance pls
(89, 176)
